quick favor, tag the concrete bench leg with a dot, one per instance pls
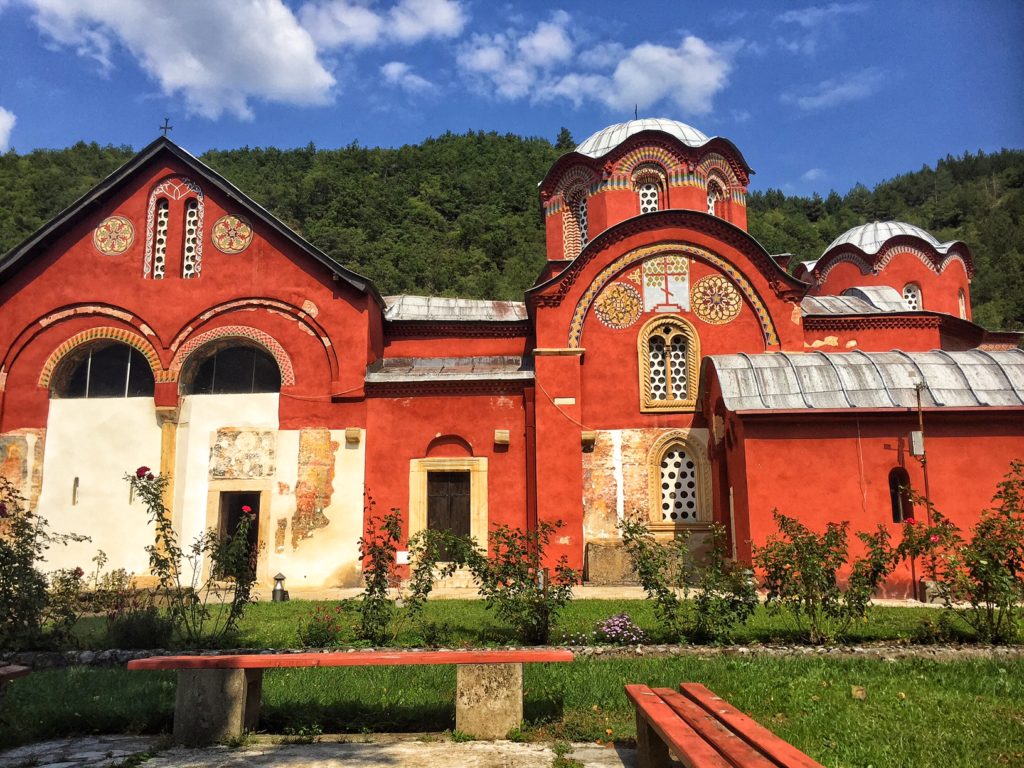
(488, 699)
(216, 704)
(651, 751)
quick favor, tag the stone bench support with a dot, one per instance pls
(488, 699)
(214, 705)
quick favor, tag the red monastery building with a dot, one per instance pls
(663, 365)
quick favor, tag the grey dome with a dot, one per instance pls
(871, 237)
(607, 139)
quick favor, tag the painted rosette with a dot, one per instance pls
(113, 236)
(232, 234)
(715, 300)
(619, 306)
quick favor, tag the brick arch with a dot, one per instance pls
(606, 275)
(121, 335)
(628, 163)
(715, 165)
(577, 178)
(835, 261)
(264, 339)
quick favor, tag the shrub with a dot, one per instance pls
(514, 582)
(981, 579)
(619, 630)
(323, 626)
(378, 547)
(800, 575)
(34, 612)
(726, 594)
(209, 584)
(141, 627)
(661, 568)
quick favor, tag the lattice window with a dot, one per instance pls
(189, 261)
(649, 197)
(678, 486)
(912, 295)
(715, 196)
(574, 223)
(669, 353)
(581, 220)
(160, 238)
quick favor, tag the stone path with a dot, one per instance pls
(397, 751)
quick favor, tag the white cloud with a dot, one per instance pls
(814, 22)
(218, 56)
(739, 115)
(836, 91)
(7, 121)
(813, 174)
(337, 23)
(401, 74)
(514, 65)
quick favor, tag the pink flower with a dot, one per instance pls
(247, 509)
(142, 472)
(910, 521)
(934, 539)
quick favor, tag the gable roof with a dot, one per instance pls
(63, 220)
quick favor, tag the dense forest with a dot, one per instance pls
(459, 215)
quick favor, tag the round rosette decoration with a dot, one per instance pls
(619, 306)
(715, 300)
(113, 236)
(232, 234)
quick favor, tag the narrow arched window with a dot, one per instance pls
(161, 214)
(231, 369)
(103, 369)
(580, 211)
(650, 197)
(574, 223)
(900, 496)
(669, 352)
(189, 256)
(912, 296)
(715, 197)
(962, 300)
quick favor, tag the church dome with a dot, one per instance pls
(607, 139)
(871, 237)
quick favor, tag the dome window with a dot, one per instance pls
(912, 296)
(962, 300)
(715, 198)
(649, 195)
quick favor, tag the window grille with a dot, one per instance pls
(912, 295)
(188, 263)
(160, 243)
(678, 486)
(649, 199)
(669, 353)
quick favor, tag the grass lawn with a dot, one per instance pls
(469, 623)
(916, 712)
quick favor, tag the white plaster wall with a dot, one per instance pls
(98, 441)
(199, 418)
(330, 557)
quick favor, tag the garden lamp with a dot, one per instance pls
(280, 594)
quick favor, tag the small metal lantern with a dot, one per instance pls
(280, 594)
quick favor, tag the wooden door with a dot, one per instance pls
(448, 503)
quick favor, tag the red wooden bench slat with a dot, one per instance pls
(711, 729)
(353, 659)
(779, 750)
(11, 671)
(686, 743)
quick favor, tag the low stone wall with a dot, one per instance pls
(41, 660)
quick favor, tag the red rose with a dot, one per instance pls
(934, 539)
(79, 573)
(247, 509)
(142, 472)
(910, 521)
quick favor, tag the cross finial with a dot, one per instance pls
(166, 126)
(636, 112)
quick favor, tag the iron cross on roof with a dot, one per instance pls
(166, 126)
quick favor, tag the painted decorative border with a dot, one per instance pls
(606, 275)
(262, 338)
(122, 335)
(175, 188)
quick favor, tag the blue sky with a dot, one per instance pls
(817, 96)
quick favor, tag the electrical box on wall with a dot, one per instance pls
(917, 443)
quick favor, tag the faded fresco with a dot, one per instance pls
(315, 483)
(619, 456)
(242, 454)
(21, 462)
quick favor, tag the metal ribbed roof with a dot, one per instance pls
(817, 380)
(871, 237)
(860, 300)
(607, 139)
(413, 369)
(441, 309)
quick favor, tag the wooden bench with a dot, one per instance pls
(10, 672)
(218, 697)
(704, 731)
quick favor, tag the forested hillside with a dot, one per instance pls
(459, 215)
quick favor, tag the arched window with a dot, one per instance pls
(160, 217)
(679, 482)
(962, 300)
(650, 197)
(574, 222)
(715, 197)
(912, 295)
(230, 369)
(669, 352)
(900, 496)
(103, 369)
